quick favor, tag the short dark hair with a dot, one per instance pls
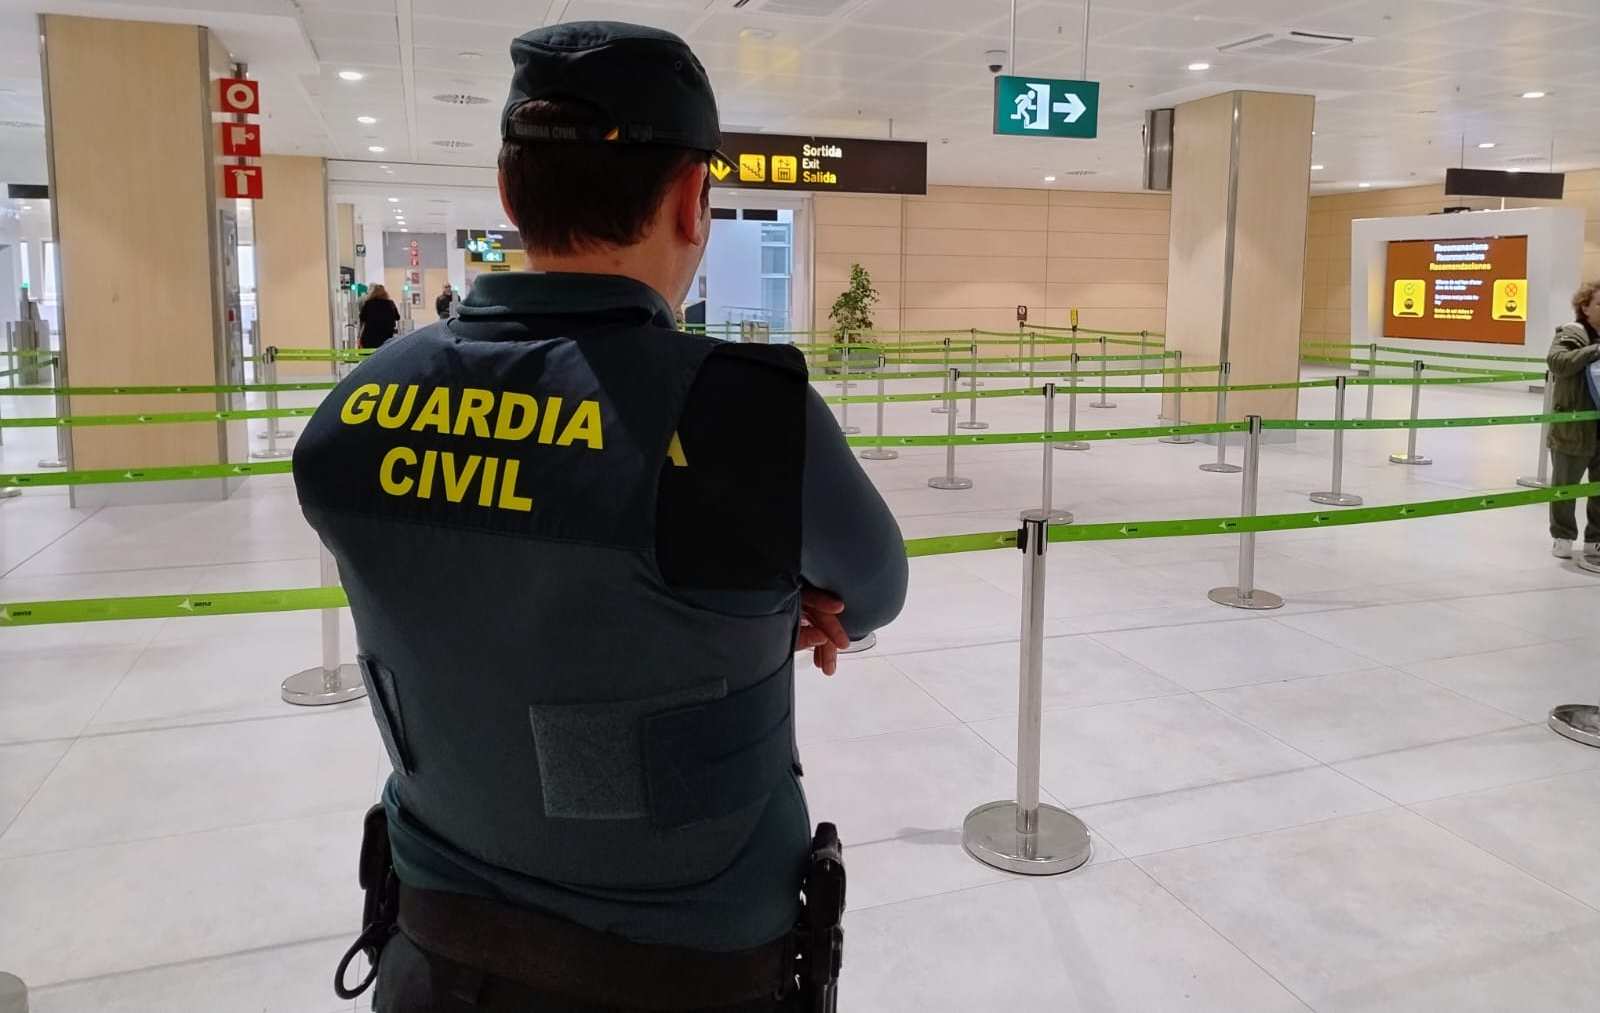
(571, 196)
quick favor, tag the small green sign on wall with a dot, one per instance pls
(1043, 107)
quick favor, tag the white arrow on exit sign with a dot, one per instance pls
(1070, 107)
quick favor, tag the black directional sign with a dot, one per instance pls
(836, 164)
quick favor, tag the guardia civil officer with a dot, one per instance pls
(581, 549)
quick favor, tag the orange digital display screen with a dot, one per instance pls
(1457, 289)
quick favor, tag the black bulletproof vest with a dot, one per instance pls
(550, 704)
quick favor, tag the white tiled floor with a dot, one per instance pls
(1351, 804)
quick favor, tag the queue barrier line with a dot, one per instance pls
(1425, 352)
(1408, 364)
(204, 388)
(111, 476)
(181, 606)
(154, 418)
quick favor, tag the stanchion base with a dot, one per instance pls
(1177, 441)
(1074, 445)
(1048, 516)
(271, 455)
(1102, 404)
(1532, 483)
(1579, 722)
(282, 434)
(972, 425)
(1221, 468)
(318, 687)
(850, 430)
(1408, 459)
(877, 454)
(10, 493)
(1336, 499)
(866, 643)
(989, 834)
(949, 482)
(54, 462)
(1256, 601)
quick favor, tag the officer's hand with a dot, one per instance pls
(820, 630)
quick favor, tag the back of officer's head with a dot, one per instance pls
(607, 134)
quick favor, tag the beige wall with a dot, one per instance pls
(293, 280)
(967, 256)
(133, 195)
(1326, 313)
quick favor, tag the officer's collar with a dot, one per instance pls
(555, 293)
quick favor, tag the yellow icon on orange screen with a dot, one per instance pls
(785, 168)
(752, 168)
(1510, 299)
(1409, 296)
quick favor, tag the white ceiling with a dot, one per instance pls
(1392, 109)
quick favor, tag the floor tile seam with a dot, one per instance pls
(147, 569)
(1070, 708)
(1220, 934)
(123, 842)
(971, 887)
(1463, 696)
(1414, 661)
(1388, 806)
(1519, 783)
(177, 964)
(1508, 863)
(888, 659)
(1311, 760)
(8, 824)
(93, 733)
(34, 554)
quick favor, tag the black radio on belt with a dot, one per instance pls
(822, 933)
(380, 907)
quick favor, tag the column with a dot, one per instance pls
(1240, 197)
(295, 276)
(134, 187)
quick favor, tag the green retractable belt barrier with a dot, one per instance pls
(169, 606)
(109, 476)
(204, 388)
(155, 418)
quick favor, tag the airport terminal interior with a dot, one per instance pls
(1200, 349)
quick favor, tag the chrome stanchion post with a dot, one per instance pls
(1411, 456)
(332, 681)
(844, 393)
(58, 379)
(1033, 354)
(1372, 374)
(972, 395)
(1072, 411)
(1221, 465)
(950, 480)
(1103, 402)
(1177, 402)
(1336, 496)
(272, 451)
(1246, 595)
(944, 407)
(1045, 511)
(1024, 835)
(1541, 473)
(879, 452)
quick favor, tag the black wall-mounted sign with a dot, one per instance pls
(504, 239)
(27, 191)
(821, 164)
(1498, 183)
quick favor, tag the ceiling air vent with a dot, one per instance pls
(460, 99)
(453, 144)
(1289, 43)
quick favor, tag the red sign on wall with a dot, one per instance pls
(241, 140)
(242, 182)
(240, 95)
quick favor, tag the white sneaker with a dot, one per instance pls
(1562, 549)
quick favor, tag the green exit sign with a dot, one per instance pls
(1042, 107)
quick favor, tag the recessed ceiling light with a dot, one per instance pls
(1200, 66)
(1318, 168)
(27, 207)
(394, 200)
(1049, 179)
(405, 230)
(383, 167)
(1485, 144)
(368, 120)
(1533, 94)
(1513, 169)
(470, 54)
(376, 149)
(351, 75)
(1363, 185)
(760, 34)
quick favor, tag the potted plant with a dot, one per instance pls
(852, 316)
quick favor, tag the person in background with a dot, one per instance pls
(446, 303)
(379, 317)
(1575, 446)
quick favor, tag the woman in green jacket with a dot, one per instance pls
(1574, 447)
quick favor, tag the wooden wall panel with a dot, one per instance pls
(292, 273)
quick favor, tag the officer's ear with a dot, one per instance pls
(691, 200)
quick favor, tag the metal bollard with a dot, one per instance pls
(950, 480)
(1103, 402)
(1541, 473)
(1336, 496)
(944, 408)
(1179, 439)
(972, 394)
(1025, 835)
(844, 394)
(333, 681)
(1372, 374)
(1072, 411)
(1246, 595)
(1221, 465)
(1033, 354)
(879, 452)
(273, 451)
(1411, 456)
(1045, 511)
(58, 379)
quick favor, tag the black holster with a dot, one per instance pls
(820, 934)
(380, 910)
